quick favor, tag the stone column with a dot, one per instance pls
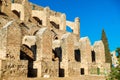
(63, 22)
(67, 43)
(76, 29)
(44, 64)
(85, 49)
(27, 10)
(11, 41)
(46, 20)
(3, 43)
(44, 44)
(14, 41)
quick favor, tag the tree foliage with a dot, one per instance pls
(115, 71)
(118, 51)
(107, 51)
(115, 74)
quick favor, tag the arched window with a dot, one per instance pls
(38, 20)
(16, 13)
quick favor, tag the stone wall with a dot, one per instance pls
(26, 11)
(13, 68)
(44, 63)
(66, 78)
(37, 45)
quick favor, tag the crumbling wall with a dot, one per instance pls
(44, 64)
(70, 66)
(3, 43)
(98, 47)
(6, 7)
(13, 68)
(42, 15)
(85, 49)
(38, 39)
(11, 65)
(13, 41)
(24, 9)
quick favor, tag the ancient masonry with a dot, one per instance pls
(114, 59)
(34, 44)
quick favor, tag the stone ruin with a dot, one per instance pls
(34, 43)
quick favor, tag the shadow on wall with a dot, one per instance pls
(31, 71)
(54, 24)
(23, 25)
(58, 53)
(16, 13)
(38, 20)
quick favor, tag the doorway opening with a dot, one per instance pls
(77, 55)
(93, 56)
(82, 71)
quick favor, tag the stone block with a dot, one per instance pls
(13, 68)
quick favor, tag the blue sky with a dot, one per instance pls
(94, 16)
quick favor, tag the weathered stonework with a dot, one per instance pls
(34, 44)
(114, 59)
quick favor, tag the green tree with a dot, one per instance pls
(107, 51)
(118, 51)
(115, 71)
(114, 74)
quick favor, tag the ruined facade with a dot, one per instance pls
(34, 43)
(114, 59)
